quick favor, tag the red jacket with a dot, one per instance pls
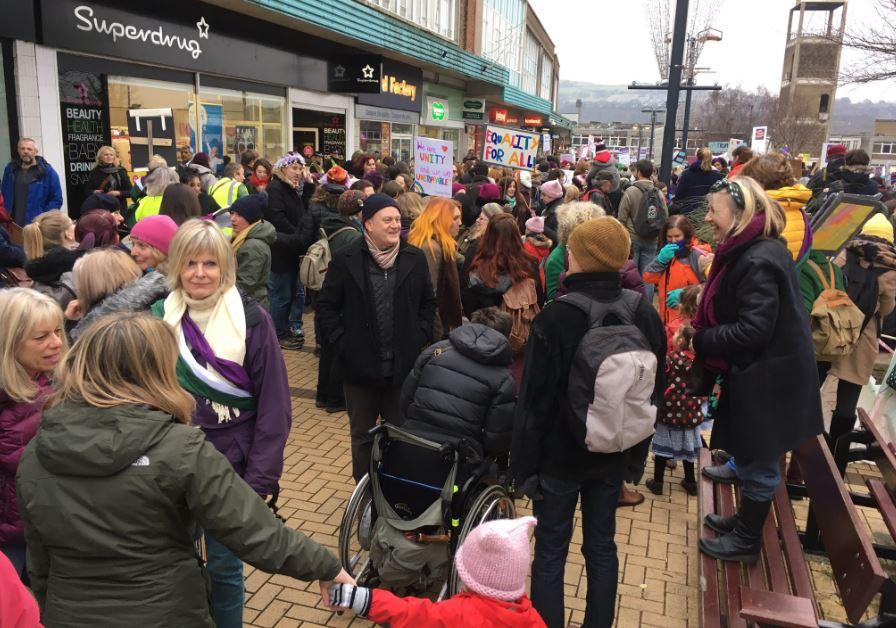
(464, 609)
(18, 609)
(18, 425)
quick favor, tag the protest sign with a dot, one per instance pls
(510, 147)
(433, 166)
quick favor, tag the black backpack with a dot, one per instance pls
(651, 214)
(861, 285)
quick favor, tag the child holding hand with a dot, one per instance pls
(492, 563)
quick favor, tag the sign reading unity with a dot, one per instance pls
(510, 147)
(433, 162)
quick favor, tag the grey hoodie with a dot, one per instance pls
(137, 296)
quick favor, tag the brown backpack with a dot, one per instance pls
(521, 302)
(835, 321)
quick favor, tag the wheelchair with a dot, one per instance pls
(428, 495)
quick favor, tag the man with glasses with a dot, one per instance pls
(376, 309)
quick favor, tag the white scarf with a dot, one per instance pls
(222, 319)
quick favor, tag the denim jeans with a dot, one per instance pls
(642, 254)
(15, 552)
(759, 478)
(297, 309)
(281, 293)
(228, 586)
(555, 511)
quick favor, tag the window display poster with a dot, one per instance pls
(85, 128)
(511, 147)
(211, 120)
(433, 166)
(246, 139)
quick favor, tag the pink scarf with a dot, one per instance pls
(706, 312)
(385, 259)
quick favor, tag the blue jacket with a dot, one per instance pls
(693, 186)
(44, 193)
(10, 254)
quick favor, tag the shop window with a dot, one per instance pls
(131, 132)
(323, 130)
(371, 137)
(240, 120)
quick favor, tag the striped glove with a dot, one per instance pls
(356, 599)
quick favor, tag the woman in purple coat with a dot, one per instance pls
(31, 345)
(231, 362)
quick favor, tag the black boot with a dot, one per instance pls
(689, 482)
(721, 473)
(722, 525)
(744, 542)
(659, 470)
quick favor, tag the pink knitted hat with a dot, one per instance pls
(494, 559)
(551, 191)
(157, 231)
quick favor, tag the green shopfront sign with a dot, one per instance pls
(437, 111)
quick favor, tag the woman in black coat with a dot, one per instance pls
(695, 182)
(753, 338)
(108, 177)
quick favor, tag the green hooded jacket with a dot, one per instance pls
(112, 499)
(253, 261)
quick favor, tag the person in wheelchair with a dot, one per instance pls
(461, 390)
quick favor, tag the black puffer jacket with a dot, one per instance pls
(287, 211)
(52, 274)
(462, 387)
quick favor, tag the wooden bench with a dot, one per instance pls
(777, 590)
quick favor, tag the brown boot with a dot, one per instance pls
(629, 497)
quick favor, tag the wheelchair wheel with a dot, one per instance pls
(355, 532)
(492, 503)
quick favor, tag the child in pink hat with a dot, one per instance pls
(492, 562)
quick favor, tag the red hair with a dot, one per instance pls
(501, 251)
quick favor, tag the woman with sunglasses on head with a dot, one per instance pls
(753, 340)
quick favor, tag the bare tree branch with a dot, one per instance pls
(878, 43)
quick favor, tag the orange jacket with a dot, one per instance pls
(465, 609)
(680, 273)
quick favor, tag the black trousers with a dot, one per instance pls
(329, 376)
(365, 404)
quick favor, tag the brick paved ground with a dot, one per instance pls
(658, 581)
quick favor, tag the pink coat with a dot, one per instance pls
(18, 425)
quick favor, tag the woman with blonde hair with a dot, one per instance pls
(31, 346)
(569, 216)
(230, 361)
(694, 183)
(108, 177)
(752, 340)
(117, 484)
(411, 205)
(100, 275)
(573, 193)
(434, 231)
(50, 249)
(150, 239)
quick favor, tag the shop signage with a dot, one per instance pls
(437, 111)
(401, 87)
(504, 116)
(533, 121)
(334, 137)
(433, 166)
(85, 128)
(357, 74)
(190, 35)
(366, 112)
(510, 147)
(474, 109)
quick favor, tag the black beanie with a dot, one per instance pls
(374, 203)
(250, 207)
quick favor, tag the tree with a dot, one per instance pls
(877, 42)
(733, 112)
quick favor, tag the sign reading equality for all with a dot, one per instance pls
(510, 147)
(433, 162)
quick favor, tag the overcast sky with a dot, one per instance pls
(608, 42)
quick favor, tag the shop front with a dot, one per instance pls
(441, 117)
(387, 121)
(160, 79)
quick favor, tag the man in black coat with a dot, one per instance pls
(288, 192)
(461, 388)
(376, 309)
(547, 461)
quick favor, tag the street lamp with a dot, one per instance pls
(707, 34)
(653, 114)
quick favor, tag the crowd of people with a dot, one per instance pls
(564, 329)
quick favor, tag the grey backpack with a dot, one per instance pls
(612, 377)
